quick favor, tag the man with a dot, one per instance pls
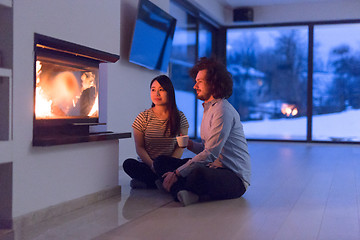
(221, 168)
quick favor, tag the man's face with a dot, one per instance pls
(202, 87)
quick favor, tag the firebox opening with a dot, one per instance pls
(67, 89)
(64, 89)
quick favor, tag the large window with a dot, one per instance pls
(296, 82)
(193, 39)
(274, 79)
(183, 57)
(269, 68)
(205, 49)
(336, 83)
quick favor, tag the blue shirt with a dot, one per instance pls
(223, 141)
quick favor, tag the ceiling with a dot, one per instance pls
(253, 3)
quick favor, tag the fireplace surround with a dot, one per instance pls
(67, 92)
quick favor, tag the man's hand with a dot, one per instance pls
(190, 144)
(169, 179)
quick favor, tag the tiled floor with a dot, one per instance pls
(99, 218)
(298, 191)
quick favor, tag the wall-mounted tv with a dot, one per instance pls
(152, 38)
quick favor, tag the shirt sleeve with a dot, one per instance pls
(139, 122)
(220, 126)
(183, 120)
(197, 147)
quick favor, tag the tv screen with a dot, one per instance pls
(152, 38)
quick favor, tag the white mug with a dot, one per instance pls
(182, 141)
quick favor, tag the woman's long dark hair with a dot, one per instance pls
(174, 116)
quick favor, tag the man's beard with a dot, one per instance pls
(202, 97)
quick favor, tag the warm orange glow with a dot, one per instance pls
(65, 91)
(58, 94)
(294, 111)
(289, 110)
(42, 104)
(95, 107)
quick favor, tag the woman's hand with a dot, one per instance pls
(169, 179)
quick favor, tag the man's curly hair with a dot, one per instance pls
(217, 76)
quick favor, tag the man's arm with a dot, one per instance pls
(219, 129)
(195, 147)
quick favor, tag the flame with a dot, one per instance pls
(42, 104)
(95, 107)
(59, 95)
(289, 110)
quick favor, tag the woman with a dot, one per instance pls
(155, 131)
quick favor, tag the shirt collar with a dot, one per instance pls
(211, 103)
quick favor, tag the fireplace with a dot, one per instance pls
(67, 91)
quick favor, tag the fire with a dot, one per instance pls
(95, 107)
(42, 104)
(289, 110)
(64, 92)
(58, 94)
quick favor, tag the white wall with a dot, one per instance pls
(302, 12)
(213, 9)
(46, 176)
(128, 84)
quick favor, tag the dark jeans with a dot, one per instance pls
(212, 183)
(140, 171)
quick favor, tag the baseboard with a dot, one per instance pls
(63, 208)
(6, 234)
(5, 224)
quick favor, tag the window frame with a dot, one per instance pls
(214, 27)
(219, 49)
(311, 25)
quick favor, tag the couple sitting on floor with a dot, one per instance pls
(221, 167)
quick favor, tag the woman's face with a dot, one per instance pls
(158, 94)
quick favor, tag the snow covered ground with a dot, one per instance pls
(344, 126)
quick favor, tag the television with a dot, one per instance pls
(152, 38)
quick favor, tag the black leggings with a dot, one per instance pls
(140, 171)
(213, 183)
